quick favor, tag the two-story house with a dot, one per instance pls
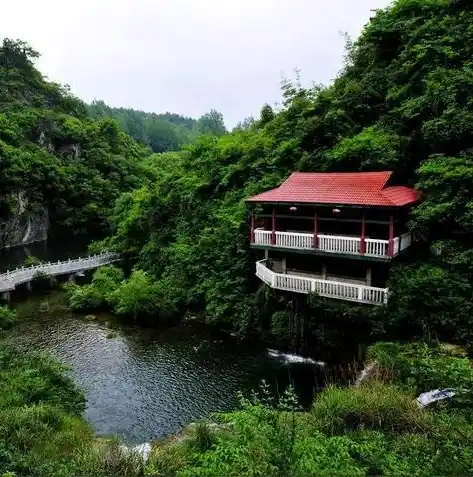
(331, 233)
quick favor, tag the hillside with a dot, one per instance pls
(58, 167)
(404, 101)
(161, 132)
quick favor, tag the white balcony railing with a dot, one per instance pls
(332, 243)
(325, 288)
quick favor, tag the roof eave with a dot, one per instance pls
(331, 204)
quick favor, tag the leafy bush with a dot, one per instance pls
(204, 438)
(105, 282)
(430, 301)
(137, 296)
(34, 378)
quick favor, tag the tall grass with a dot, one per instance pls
(375, 405)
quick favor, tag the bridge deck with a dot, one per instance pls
(9, 280)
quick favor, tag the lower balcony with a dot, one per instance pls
(337, 244)
(329, 288)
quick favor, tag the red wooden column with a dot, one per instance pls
(273, 232)
(316, 230)
(363, 234)
(391, 237)
(252, 237)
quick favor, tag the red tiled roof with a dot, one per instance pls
(351, 188)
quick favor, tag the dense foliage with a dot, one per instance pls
(52, 154)
(404, 101)
(138, 296)
(161, 132)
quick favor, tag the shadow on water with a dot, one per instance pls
(146, 384)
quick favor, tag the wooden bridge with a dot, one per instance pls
(12, 278)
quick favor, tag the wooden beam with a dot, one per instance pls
(327, 219)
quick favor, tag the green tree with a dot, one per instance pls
(211, 123)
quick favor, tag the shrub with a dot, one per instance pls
(33, 378)
(169, 458)
(98, 295)
(136, 296)
(428, 300)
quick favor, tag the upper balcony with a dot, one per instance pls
(355, 214)
(332, 244)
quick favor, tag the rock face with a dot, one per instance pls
(23, 225)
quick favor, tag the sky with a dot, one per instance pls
(186, 56)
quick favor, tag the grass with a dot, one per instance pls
(376, 405)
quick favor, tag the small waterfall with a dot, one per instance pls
(141, 450)
(365, 373)
(27, 233)
(293, 358)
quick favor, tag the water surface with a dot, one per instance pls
(146, 384)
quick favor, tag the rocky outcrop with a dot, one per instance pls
(24, 224)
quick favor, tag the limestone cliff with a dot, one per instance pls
(24, 224)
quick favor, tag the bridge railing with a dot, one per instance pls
(23, 274)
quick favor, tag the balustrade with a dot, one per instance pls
(331, 243)
(11, 278)
(325, 288)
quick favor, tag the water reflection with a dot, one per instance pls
(146, 384)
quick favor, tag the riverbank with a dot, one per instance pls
(144, 384)
(377, 427)
(374, 428)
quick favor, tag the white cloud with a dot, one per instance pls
(186, 56)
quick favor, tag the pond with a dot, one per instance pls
(144, 384)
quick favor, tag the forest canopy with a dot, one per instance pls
(161, 132)
(404, 102)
